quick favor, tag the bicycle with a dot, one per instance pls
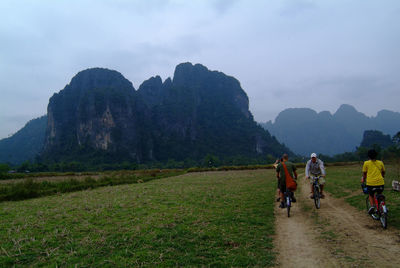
(380, 212)
(288, 200)
(317, 191)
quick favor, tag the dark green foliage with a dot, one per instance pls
(375, 138)
(396, 139)
(4, 168)
(26, 144)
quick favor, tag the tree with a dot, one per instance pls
(396, 139)
(25, 166)
(362, 153)
(211, 161)
(4, 168)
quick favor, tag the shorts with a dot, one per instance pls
(375, 189)
(282, 185)
(321, 180)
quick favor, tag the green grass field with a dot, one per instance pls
(220, 218)
(345, 182)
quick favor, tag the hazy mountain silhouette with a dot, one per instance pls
(25, 144)
(304, 131)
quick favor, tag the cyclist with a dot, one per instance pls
(373, 174)
(314, 168)
(280, 174)
(278, 192)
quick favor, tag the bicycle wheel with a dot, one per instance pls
(317, 198)
(383, 220)
(367, 203)
(288, 205)
(383, 216)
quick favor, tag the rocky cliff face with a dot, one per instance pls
(198, 112)
(202, 112)
(97, 110)
(372, 138)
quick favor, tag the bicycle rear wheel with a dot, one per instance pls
(367, 203)
(317, 197)
(383, 220)
(383, 216)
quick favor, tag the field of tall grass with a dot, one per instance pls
(162, 217)
(222, 218)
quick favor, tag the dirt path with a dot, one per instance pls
(337, 235)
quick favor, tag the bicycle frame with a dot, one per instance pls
(380, 204)
(381, 209)
(316, 181)
(288, 200)
(316, 189)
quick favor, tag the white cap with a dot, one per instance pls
(313, 155)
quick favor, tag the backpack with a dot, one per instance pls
(291, 184)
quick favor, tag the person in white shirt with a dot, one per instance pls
(314, 168)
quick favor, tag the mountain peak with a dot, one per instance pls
(176, 119)
(346, 108)
(99, 78)
(186, 73)
(304, 131)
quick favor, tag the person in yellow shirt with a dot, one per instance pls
(373, 175)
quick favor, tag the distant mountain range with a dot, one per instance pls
(25, 144)
(305, 131)
(100, 118)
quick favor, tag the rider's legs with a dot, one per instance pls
(322, 193)
(282, 195)
(371, 200)
(278, 193)
(311, 186)
(371, 191)
(321, 185)
(282, 189)
(278, 196)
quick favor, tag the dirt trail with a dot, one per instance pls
(337, 235)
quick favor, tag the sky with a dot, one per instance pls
(285, 53)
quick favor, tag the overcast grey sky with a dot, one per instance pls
(286, 53)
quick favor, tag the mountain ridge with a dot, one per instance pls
(328, 133)
(99, 117)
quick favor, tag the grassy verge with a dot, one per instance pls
(31, 189)
(197, 219)
(344, 182)
(14, 176)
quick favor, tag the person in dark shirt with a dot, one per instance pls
(280, 174)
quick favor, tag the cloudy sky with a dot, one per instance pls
(286, 53)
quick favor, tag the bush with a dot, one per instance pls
(30, 189)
